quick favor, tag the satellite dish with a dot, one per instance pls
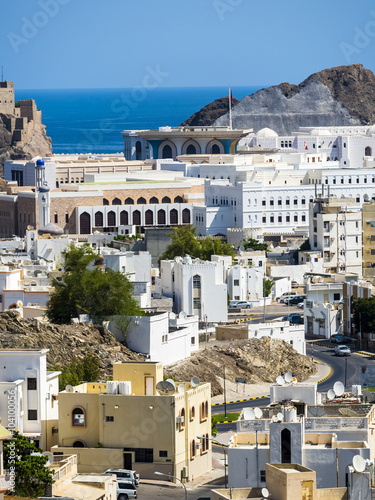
(172, 315)
(288, 378)
(166, 387)
(280, 380)
(316, 303)
(258, 413)
(359, 463)
(181, 389)
(50, 458)
(331, 394)
(182, 315)
(280, 417)
(242, 248)
(274, 418)
(248, 414)
(339, 388)
(19, 303)
(195, 381)
(69, 388)
(265, 493)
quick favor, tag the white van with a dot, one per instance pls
(128, 476)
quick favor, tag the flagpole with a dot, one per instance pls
(230, 108)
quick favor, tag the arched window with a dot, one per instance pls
(206, 408)
(116, 201)
(207, 442)
(286, 446)
(129, 201)
(138, 150)
(196, 282)
(154, 200)
(161, 217)
(166, 199)
(79, 444)
(295, 201)
(149, 217)
(193, 450)
(167, 152)
(368, 151)
(272, 202)
(192, 413)
(78, 417)
(178, 199)
(124, 218)
(98, 219)
(141, 201)
(173, 216)
(111, 219)
(186, 216)
(105, 201)
(191, 150)
(215, 149)
(182, 414)
(85, 223)
(136, 218)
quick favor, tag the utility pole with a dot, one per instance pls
(225, 396)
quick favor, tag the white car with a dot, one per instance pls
(126, 490)
(243, 304)
(301, 304)
(342, 350)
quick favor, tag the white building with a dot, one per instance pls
(246, 283)
(322, 437)
(335, 229)
(161, 336)
(16, 288)
(26, 383)
(196, 287)
(281, 330)
(307, 262)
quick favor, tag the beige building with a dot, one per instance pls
(128, 423)
(285, 482)
(368, 224)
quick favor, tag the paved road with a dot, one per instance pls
(151, 492)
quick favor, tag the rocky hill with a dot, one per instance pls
(257, 360)
(339, 96)
(209, 113)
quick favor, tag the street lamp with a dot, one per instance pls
(225, 455)
(173, 477)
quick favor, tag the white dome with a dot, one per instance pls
(371, 130)
(266, 132)
(321, 132)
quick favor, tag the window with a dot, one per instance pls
(66, 216)
(182, 415)
(279, 219)
(264, 220)
(303, 218)
(32, 414)
(196, 282)
(109, 418)
(236, 283)
(336, 296)
(192, 449)
(192, 340)
(287, 218)
(295, 201)
(31, 384)
(55, 218)
(296, 218)
(279, 202)
(78, 417)
(196, 303)
(163, 454)
(145, 455)
(272, 219)
(192, 413)
(262, 476)
(271, 202)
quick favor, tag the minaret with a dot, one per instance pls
(44, 205)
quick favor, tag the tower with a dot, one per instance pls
(44, 205)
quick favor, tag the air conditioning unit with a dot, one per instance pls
(309, 304)
(198, 446)
(180, 419)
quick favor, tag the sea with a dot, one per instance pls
(91, 120)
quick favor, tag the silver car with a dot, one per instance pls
(342, 350)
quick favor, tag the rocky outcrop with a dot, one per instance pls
(210, 113)
(64, 342)
(257, 360)
(339, 96)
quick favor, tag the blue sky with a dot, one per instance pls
(116, 43)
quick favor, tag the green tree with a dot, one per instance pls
(364, 314)
(253, 244)
(76, 371)
(184, 242)
(267, 287)
(89, 291)
(31, 475)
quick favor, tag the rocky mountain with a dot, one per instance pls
(210, 113)
(39, 143)
(339, 96)
(257, 360)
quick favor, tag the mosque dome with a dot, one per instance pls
(266, 132)
(51, 229)
(320, 132)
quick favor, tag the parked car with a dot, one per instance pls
(297, 299)
(243, 304)
(286, 298)
(301, 305)
(126, 490)
(129, 476)
(342, 350)
(295, 318)
(337, 338)
(285, 294)
(294, 284)
(233, 303)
